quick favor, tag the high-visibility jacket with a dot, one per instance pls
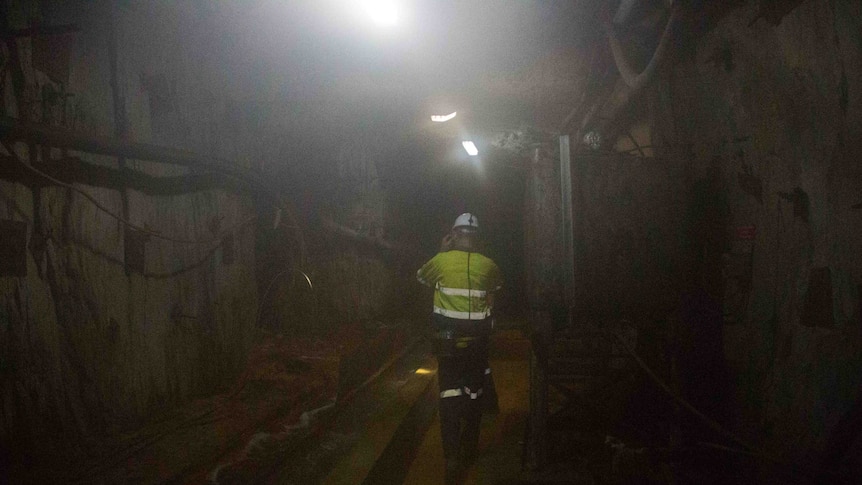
(462, 282)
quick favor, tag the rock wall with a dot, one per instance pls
(358, 280)
(767, 114)
(108, 326)
(103, 326)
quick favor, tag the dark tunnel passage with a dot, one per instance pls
(431, 241)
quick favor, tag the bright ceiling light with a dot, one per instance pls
(443, 118)
(470, 147)
(382, 12)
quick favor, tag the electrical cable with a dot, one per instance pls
(632, 79)
(679, 400)
(469, 283)
(125, 221)
(469, 289)
(201, 418)
(242, 379)
(269, 287)
(748, 449)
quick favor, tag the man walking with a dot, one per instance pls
(464, 282)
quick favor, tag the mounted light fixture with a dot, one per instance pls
(382, 12)
(470, 147)
(593, 139)
(443, 118)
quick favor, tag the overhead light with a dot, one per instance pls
(382, 12)
(470, 147)
(443, 118)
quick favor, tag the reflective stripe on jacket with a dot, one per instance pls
(456, 295)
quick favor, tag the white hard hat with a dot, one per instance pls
(466, 220)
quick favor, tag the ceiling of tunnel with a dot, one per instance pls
(499, 64)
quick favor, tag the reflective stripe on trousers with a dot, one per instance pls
(461, 392)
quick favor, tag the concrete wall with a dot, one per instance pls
(768, 118)
(358, 281)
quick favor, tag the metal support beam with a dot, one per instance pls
(536, 453)
(568, 266)
(541, 259)
(541, 233)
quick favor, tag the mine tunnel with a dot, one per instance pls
(216, 219)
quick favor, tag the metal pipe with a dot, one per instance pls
(17, 130)
(43, 30)
(637, 80)
(355, 235)
(632, 83)
(567, 220)
(624, 12)
(582, 102)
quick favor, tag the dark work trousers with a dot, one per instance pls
(462, 358)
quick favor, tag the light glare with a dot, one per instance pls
(470, 147)
(443, 118)
(382, 12)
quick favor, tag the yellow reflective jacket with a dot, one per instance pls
(463, 283)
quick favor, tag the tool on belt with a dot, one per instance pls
(448, 342)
